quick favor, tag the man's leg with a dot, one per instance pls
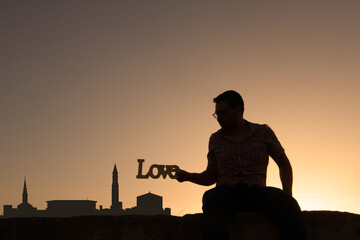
(218, 205)
(282, 209)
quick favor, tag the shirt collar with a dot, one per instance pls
(252, 127)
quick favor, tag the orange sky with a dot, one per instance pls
(86, 85)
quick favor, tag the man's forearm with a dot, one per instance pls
(286, 177)
(203, 178)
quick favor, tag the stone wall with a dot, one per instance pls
(319, 224)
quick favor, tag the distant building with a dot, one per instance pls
(69, 208)
(24, 209)
(116, 206)
(149, 204)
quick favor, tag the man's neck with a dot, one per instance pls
(240, 130)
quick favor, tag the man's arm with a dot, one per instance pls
(206, 178)
(286, 174)
(277, 152)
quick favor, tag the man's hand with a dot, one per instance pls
(182, 175)
(288, 191)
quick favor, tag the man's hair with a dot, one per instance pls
(233, 99)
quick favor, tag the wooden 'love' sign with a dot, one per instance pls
(160, 170)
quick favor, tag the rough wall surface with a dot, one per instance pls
(319, 224)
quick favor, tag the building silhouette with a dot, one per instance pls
(149, 204)
(146, 204)
(24, 209)
(116, 206)
(68, 208)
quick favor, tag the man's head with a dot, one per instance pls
(229, 108)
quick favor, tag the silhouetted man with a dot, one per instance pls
(237, 162)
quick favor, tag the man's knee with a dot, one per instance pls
(292, 203)
(287, 201)
(209, 198)
(215, 198)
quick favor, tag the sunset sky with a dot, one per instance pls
(87, 84)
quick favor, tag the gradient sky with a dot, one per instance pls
(87, 84)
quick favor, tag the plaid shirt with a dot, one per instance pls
(243, 161)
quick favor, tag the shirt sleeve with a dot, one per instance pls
(274, 146)
(211, 155)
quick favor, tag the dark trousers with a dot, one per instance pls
(222, 202)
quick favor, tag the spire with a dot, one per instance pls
(25, 194)
(115, 170)
(115, 189)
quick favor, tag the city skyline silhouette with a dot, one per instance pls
(147, 204)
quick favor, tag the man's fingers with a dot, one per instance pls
(179, 175)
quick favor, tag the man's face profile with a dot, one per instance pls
(226, 116)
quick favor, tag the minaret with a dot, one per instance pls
(25, 194)
(115, 189)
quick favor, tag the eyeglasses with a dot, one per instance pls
(220, 113)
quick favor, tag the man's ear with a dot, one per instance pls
(238, 109)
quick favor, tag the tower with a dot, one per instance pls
(116, 206)
(25, 209)
(115, 189)
(25, 194)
